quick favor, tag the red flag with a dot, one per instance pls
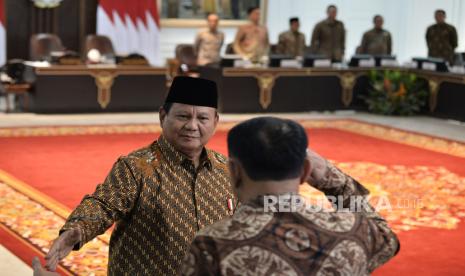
(133, 26)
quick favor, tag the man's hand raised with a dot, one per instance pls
(318, 165)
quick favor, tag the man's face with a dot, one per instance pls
(188, 128)
(212, 22)
(440, 17)
(379, 22)
(295, 26)
(255, 16)
(332, 13)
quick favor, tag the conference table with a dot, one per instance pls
(263, 90)
(121, 88)
(97, 88)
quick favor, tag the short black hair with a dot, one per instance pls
(293, 19)
(376, 17)
(440, 11)
(331, 6)
(269, 148)
(251, 9)
(210, 13)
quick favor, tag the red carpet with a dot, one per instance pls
(67, 165)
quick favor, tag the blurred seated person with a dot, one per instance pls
(376, 41)
(251, 40)
(291, 42)
(208, 42)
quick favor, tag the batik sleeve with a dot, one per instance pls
(383, 243)
(112, 201)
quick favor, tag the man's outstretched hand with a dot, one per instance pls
(61, 247)
(39, 270)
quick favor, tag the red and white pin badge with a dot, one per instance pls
(231, 205)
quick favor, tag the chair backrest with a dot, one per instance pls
(185, 53)
(459, 59)
(101, 43)
(42, 45)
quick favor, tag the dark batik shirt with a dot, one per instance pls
(442, 40)
(158, 201)
(328, 39)
(376, 42)
(255, 242)
(291, 43)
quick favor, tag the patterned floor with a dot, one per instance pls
(419, 196)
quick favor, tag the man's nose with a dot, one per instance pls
(192, 125)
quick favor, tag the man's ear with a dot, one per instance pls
(306, 171)
(162, 115)
(234, 171)
(217, 118)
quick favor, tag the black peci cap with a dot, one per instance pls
(193, 91)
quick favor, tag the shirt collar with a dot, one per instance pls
(259, 201)
(176, 157)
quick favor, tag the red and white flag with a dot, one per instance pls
(133, 27)
(2, 34)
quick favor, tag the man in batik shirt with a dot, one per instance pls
(292, 42)
(208, 42)
(251, 41)
(267, 162)
(376, 41)
(329, 37)
(158, 196)
(441, 38)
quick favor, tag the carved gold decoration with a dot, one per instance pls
(266, 83)
(433, 96)
(347, 83)
(104, 82)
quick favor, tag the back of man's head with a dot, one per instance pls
(269, 148)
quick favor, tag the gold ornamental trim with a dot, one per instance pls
(348, 81)
(266, 84)
(434, 85)
(86, 70)
(104, 81)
